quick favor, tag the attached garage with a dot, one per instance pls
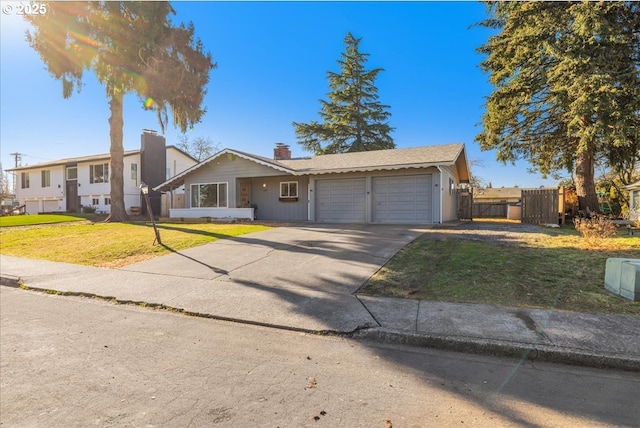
(403, 199)
(341, 200)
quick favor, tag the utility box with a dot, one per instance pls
(630, 281)
(622, 277)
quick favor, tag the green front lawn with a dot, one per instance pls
(111, 244)
(30, 220)
(552, 270)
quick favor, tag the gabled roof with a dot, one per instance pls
(415, 157)
(92, 158)
(178, 180)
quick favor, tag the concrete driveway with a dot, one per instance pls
(300, 276)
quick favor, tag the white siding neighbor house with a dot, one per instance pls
(634, 200)
(67, 185)
(412, 185)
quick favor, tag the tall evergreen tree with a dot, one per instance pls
(353, 120)
(567, 86)
(131, 47)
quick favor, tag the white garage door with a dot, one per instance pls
(341, 200)
(402, 199)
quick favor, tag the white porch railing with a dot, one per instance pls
(211, 212)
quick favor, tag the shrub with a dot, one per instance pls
(595, 229)
(88, 209)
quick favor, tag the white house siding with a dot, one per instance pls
(177, 162)
(450, 181)
(40, 199)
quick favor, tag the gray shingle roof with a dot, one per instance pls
(414, 157)
(377, 159)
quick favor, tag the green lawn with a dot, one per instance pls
(552, 270)
(111, 244)
(30, 220)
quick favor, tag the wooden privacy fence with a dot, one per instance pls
(464, 199)
(490, 209)
(540, 206)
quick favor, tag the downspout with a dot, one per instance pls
(440, 192)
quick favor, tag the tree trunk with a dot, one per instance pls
(585, 182)
(116, 175)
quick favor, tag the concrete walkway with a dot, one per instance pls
(304, 278)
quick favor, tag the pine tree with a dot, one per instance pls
(567, 86)
(353, 120)
(131, 47)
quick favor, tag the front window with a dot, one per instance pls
(289, 189)
(46, 178)
(99, 173)
(134, 175)
(24, 180)
(210, 195)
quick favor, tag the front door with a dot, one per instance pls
(73, 200)
(245, 193)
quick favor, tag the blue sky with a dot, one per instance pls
(272, 62)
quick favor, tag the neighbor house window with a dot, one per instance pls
(46, 178)
(95, 201)
(168, 173)
(210, 195)
(134, 175)
(24, 180)
(72, 173)
(289, 189)
(99, 173)
(107, 201)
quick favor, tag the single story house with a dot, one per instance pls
(634, 200)
(66, 185)
(410, 185)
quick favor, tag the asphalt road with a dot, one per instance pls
(68, 361)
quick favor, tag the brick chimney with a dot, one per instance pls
(281, 152)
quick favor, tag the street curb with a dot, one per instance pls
(528, 352)
(471, 345)
(10, 281)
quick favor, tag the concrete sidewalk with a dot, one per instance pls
(304, 278)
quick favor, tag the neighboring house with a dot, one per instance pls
(502, 194)
(66, 185)
(634, 200)
(412, 185)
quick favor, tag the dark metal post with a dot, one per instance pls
(145, 191)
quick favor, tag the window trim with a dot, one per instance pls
(105, 173)
(45, 176)
(133, 174)
(71, 168)
(24, 180)
(217, 184)
(288, 197)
